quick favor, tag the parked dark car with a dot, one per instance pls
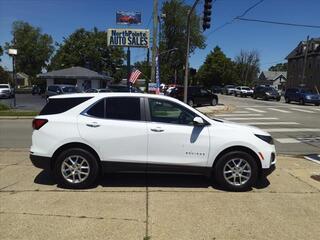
(97, 90)
(266, 93)
(196, 96)
(228, 89)
(60, 89)
(216, 89)
(124, 88)
(302, 96)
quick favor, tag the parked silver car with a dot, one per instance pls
(6, 91)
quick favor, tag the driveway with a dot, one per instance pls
(133, 206)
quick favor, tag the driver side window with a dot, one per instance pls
(170, 112)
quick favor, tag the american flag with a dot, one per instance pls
(134, 76)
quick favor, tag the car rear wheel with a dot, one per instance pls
(317, 104)
(287, 100)
(76, 168)
(214, 102)
(236, 171)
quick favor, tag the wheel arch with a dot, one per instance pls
(238, 148)
(73, 145)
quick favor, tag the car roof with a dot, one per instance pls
(62, 85)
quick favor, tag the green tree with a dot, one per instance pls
(279, 67)
(34, 48)
(173, 35)
(88, 49)
(217, 69)
(1, 52)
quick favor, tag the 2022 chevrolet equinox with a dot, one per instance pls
(78, 136)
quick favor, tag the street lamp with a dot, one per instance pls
(13, 52)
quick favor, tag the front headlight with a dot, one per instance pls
(308, 97)
(267, 93)
(265, 138)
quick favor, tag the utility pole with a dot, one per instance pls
(154, 40)
(128, 67)
(186, 74)
(148, 65)
(305, 62)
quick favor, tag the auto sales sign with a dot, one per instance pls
(128, 37)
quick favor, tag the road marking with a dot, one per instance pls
(272, 123)
(302, 110)
(292, 129)
(238, 115)
(287, 140)
(256, 110)
(252, 118)
(279, 110)
(240, 112)
(316, 109)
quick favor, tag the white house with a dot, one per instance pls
(277, 79)
(81, 77)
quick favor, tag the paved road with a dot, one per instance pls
(296, 128)
(26, 102)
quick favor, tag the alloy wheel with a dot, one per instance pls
(75, 169)
(237, 171)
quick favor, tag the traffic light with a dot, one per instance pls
(206, 14)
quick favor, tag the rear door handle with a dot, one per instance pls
(94, 125)
(156, 129)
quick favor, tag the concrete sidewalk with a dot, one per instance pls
(133, 206)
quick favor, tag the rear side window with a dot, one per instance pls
(97, 110)
(123, 108)
(60, 105)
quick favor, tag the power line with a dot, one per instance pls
(232, 20)
(278, 23)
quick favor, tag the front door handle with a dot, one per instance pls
(156, 129)
(94, 125)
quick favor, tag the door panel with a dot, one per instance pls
(172, 137)
(116, 140)
(178, 144)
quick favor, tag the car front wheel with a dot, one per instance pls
(236, 171)
(190, 103)
(76, 168)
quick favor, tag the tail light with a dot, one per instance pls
(38, 123)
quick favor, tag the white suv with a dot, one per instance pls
(77, 136)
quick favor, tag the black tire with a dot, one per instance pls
(222, 162)
(317, 104)
(254, 97)
(287, 100)
(301, 101)
(190, 103)
(91, 161)
(278, 99)
(214, 102)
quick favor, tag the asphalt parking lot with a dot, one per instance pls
(133, 206)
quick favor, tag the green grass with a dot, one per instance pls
(3, 107)
(18, 113)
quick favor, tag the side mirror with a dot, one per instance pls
(198, 121)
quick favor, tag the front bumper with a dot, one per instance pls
(312, 101)
(41, 162)
(4, 94)
(267, 171)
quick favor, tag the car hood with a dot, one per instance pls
(313, 95)
(241, 127)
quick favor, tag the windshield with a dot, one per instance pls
(270, 89)
(246, 88)
(307, 91)
(70, 89)
(4, 86)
